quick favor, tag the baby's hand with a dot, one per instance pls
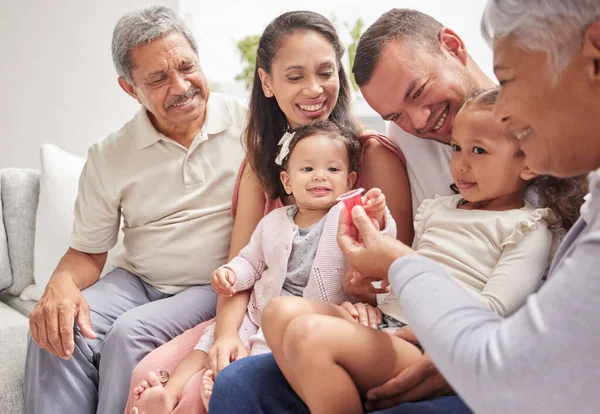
(374, 204)
(222, 281)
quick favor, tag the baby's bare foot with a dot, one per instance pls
(208, 379)
(152, 398)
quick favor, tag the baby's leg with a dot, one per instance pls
(333, 362)
(280, 312)
(154, 398)
(247, 329)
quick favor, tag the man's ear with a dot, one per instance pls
(591, 49)
(265, 80)
(527, 174)
(453, 44)
(285, 180)
(351, 180)
(129, 89)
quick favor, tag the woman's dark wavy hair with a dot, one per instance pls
(564, 196)
(267, 122)
(334, 131)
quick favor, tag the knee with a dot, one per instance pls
(127, 330)
(280, 311)
(303, 336)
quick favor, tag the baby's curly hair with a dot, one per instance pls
(564, 196)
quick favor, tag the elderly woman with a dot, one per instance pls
(544, 358)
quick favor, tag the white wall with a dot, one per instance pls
(57, 77)
(59, 84)
(218, 25)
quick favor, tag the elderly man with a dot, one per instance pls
(415, 73)
(169, 174)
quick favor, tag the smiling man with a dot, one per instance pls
(169, 174)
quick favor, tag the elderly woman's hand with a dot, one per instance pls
(367, 250)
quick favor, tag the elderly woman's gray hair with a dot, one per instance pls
(143, 26)
(553, 26)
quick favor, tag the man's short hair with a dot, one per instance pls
(140, 27)
(420, 29)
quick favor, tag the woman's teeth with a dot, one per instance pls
(311, 108)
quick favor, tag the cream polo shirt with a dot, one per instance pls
(175, 202)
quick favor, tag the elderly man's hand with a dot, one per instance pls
(51, 320)
(417, 382)
(367, 250)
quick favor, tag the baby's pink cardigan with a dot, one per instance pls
(262, 264)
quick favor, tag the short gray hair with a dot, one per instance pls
(143, 26)
(553, 26)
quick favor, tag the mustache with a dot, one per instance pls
(182, 98)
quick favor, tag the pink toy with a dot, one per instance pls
(351, 199)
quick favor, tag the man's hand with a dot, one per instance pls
(225, 350)
(419, 381)
(222, 281)
(374, 254)
(363, 313)
(51, 320)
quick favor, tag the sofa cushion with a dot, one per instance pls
(13, 346)
(5, 272)
(54, 220)
(59, 182)
(20, 191)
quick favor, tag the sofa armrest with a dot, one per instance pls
(5, 271)
(20, 190)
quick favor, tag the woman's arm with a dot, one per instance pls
(384, 170)
(541, 359)
(231, 310)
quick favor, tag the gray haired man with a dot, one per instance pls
(169, 174)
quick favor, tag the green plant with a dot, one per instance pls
(248, 47)
(355, 32)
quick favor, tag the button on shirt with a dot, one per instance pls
(175, 202)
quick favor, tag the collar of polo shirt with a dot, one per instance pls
(216, 121)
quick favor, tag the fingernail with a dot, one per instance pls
(371, 396)
(374, 326)
(69, 352)
(365, 323)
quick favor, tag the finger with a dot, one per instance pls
(84, 321)
(230, 277)
(241, 352)
(211, 361)
(43, 342)
(66, 320)
(35, 334)
(422, 391)
(53, 332)
(407, 334)
(363, 316)
(223, 359)
(363, 223)
(224, 283)
(372, 317)
(401, 383)
(349, 307)
(372, 194)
